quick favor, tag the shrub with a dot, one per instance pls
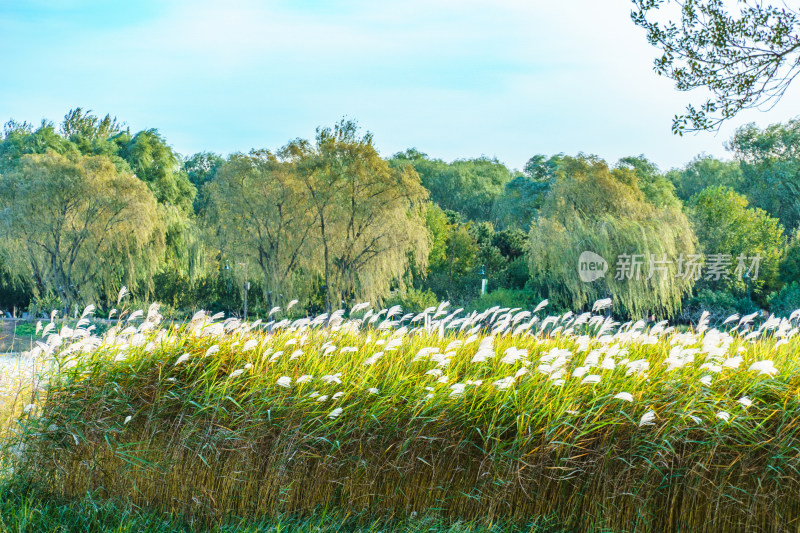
(719, 304)
(42, 305)
(25, 329)
(785, 301)
(414, 300)
(509, 298)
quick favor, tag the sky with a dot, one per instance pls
(455, 79)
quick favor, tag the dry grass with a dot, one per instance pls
(214, 419)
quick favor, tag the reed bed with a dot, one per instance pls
(502, 416)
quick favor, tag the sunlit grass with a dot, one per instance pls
(505, 415)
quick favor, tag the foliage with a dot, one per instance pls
(85, 227)
(187, 295)
(258, 212)
(460, 250)
(368, 214)
(452, 272)
(519, 202)
(330, 221)
(657, 189)
(703, 172)
(785, 301)
(43, 304)
(745, 53)
(144, 154)
(522, 197)
(593, 208)
(25, 329)
(16, 289)
(201, 169)
(467, 186)
(789, 269)
(770, 163)
(512, 243)
(718, 304)
(725, 225)
(155, 163)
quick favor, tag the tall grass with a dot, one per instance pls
(492, 416)
(26, 509)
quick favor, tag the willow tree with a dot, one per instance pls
(83, 227)
(368, 214)
(258, 210)
(591, 208)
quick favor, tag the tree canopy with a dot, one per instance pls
(726, 226)
(258, 212)
(368, 213)
(84, 227)
(592, 208)
(770, 165)
(467, 186)
(746, 53)
(88, 206)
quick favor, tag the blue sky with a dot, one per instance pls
(506, 79)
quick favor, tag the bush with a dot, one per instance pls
(25, 329)
(790, 264)
(43, 305)
(720, 305)
(516, 274)
(786, 300)
(414, 300)
(510, 298)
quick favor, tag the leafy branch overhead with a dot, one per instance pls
(746, 54)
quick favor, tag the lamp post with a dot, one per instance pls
(747, 277)
(246, 288)
(227, 270)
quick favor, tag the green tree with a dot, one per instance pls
(153, 161)
(522, 197)
(786, 301)
(258, 212)
(83, 227)
(746, 53)
(468, 186)
(725, 225)
(770, 163)
(144, 154)
(20, 139)
(657, 189)
(16, 289)
(368, 213)
(201, 169)
(91, 135)
(512, 242)
(789, 269)
(593, 208)
(705, 171)
(452, 272)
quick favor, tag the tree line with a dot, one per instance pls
(87, 206)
